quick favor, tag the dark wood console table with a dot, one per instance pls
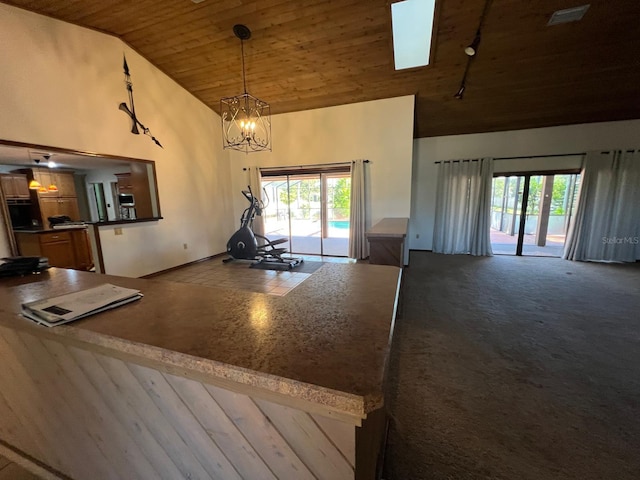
(386, 241)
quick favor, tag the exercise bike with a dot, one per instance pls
(244, 244)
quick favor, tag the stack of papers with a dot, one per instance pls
(74, 306)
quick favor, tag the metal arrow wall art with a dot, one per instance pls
(131, 109)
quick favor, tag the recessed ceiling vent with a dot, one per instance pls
(568, 15)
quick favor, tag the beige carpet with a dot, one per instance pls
(515, 368)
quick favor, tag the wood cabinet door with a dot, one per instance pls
(66, 184)
(53, 206)
(21, 186)
(48, 208)
(15, 185)
(69, 207)
(59, 253)
(141, 190)
(44, 178)
(7, 186)
(124, 183)
(82, 249)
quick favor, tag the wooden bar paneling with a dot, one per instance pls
(114, 425)
(299, 429)
(87, 415)
(260, 432)
(228, 438)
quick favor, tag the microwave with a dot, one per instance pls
(126, 200)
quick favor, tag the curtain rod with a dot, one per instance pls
(518, 158)
(537, 156)
(302, 167)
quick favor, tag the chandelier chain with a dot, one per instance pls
(244, 77)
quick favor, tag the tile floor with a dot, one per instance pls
(238, 275)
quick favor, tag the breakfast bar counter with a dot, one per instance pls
(200, 382)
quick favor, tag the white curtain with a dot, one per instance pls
(358, 244)
(255, 182)
(463, 207)
(606, 226)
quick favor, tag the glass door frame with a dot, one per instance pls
(320, 173)
(525, 196)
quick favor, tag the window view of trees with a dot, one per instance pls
(304, 198)
(311, 209)
(507, 201)
(339, 198)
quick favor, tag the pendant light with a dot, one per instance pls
(246, 120)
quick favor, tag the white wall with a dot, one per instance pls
(516, 143)
(61, 86)
(380, 131)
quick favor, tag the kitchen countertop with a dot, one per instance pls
(326, 342)
(48, 230)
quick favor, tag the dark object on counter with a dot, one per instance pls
(18, 266)
(58, 219)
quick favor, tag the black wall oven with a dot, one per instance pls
(20, 214)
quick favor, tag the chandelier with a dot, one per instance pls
(246, 120)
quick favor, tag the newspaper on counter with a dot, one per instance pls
(74, 306)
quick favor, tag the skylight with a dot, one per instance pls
(412, 22)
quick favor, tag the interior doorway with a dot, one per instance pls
(531, 213)
(100, 201)
(311, 210)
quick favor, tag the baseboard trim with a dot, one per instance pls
(177, 267)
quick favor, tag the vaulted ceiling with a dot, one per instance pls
(306, 54)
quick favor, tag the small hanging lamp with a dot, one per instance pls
(246, 120)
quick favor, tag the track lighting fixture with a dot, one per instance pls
(472, 49)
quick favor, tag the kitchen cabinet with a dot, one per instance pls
(64, 248)
(124, 182)
(136, 183)
(52, 206)
(63, 180)
(15, 186)
(56, 246)
(47, 203)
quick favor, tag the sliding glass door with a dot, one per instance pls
(310, 210)
(505, 214)
(531, 213)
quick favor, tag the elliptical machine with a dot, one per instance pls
(244, 244)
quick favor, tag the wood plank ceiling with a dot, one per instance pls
(307, 54)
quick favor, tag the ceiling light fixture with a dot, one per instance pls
(460, 92)
(472, 49)
(35, 185)
(246, 120)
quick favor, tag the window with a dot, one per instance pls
(412, 22)
(310, 209)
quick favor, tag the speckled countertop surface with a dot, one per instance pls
(327, 341)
